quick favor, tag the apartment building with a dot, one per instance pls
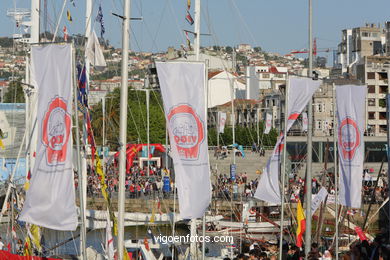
(358, 43)
(374, 72)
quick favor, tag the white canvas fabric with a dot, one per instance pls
(110, 252)
(221, 122)
(299, 93)
(183, 86)
(50, 200)
(316, 201)
(350, 101)
(94, 52)
(268, 123)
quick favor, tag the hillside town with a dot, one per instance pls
(248, 85)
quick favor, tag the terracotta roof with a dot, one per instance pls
(212, 74)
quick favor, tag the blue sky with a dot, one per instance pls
(276, 26)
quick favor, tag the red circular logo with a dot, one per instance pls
(349, 138)
(187, 131)
(56, 131)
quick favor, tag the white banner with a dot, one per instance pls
(50, 200)
(268, 123)
(299, 93)
(221, 122)
(305, 122)
(183, 86)
(316, 201)
(350, 114)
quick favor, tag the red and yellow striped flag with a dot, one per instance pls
(301, 224)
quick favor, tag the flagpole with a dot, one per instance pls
(309, 143)
(283, 171)
(123, 126)
(83, 234)
(197, 52)
(104, 131)
(336, 179)
(148, 125)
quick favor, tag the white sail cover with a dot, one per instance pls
(299, 93)
(50, 200)
(268, 123)
(221, 122)
(305, 122)
(350, 114)
(316, 201)
(182, 86)
(94, 51)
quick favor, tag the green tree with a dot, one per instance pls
(14, 93)
(257, 49)
(136, 118)
(228, 49)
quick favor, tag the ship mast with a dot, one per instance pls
(123, 125)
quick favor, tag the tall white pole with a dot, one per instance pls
(104, 131)
(197, 29)
(83, 234)
(148, 126)
(336, 178)
(35, 4)
(193, 249)
(283, 170)
(309, 144)
(123, 126)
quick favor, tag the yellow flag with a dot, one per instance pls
(125, 254)
(34, 230)
(27, 247)
(99, 171)
(301, 224)
(1, 144)
(69, 16)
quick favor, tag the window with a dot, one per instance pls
(370, 75)
(371, 89)
(265, 76)
(383, 89)
(382, 75)
(382, 115)
(382, 102)
(371, 102)
(318, 124)
(382, 128)
(371, 115)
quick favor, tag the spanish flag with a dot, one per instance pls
(301, 224)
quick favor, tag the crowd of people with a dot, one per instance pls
(138, 182)
(141, 184)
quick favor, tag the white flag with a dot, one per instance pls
(221, 122)
(350, 114)
(50, 200)
(109, 240)
(305, 122)
(268, 123)
(320, 197)
(300, 92)
(94, 52)
(183, 87)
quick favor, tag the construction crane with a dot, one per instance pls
(315, 50)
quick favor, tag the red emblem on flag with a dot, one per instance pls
(187, 130)
(56, 131)
(349, 138)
